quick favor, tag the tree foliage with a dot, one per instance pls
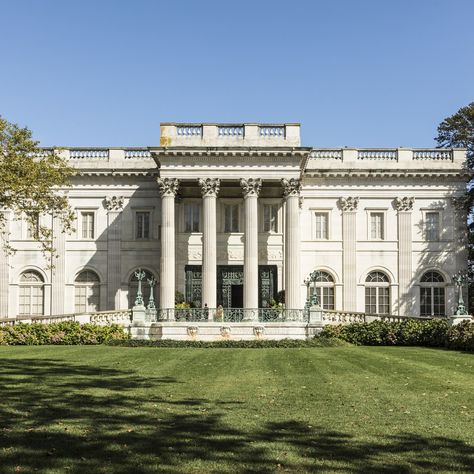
(33, 182)
(457, 131)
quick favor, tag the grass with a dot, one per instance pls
(97, 409)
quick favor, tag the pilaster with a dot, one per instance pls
(58, 273)
(251, 189)
(291, 193)
(168, 188)
(114, 206)
(209, 191)
(348, 207)
(4, 265)
(404, 207)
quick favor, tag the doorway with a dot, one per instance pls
(237, 296)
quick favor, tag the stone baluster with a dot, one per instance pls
(291, 193)
(404, 207)
(168, 189)
(209, 191)
(251, 189)
(114, 206)
(348, 207)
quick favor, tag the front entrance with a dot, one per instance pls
(230, 285)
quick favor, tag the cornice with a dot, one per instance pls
(388, 173)
(105, 172)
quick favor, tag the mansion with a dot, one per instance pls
(238, 215)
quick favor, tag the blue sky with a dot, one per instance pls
(354, 73)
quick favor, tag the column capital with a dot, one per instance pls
(291, 187)
(209, 186)
(348, 204)
(250, 186)
(168, 186)
(114, 203)
(404, 203)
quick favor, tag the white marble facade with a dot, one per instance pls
(232, 202)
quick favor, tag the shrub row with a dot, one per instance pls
(430, 333)
(253, 344)
(65, 333)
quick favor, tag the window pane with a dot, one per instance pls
(142, 220)
(87, 225)
(371, 300)
(376, 225)
(384, 300)
(321, 220)
(432, 226)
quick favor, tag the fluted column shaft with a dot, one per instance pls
(168, 190)
(291, 192)
(58, 274)
(209, 190)
(251, 189)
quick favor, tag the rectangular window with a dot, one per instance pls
(376, 225)
(87, 223)
(142, 225)
(191, 217)
(321, 224)
(231, 218)
(32, 229)
(432, 226)
(270, 218)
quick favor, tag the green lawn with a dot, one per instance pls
(131, 410)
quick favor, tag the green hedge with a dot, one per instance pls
(65, 333)
(253, 344)
(429, 333)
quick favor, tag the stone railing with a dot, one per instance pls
(326, 154)
(433, 155)
(230, 131)
(135, 154)
(346, 317)
(189, 130)
(88, 153)
(377, 155)
(269, 131)
(112, 317)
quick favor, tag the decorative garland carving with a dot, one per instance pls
(168, 186)
(209, 186)
(348, 204)
(250, 186)
(404, 203)
(114, 203)
(291, 187)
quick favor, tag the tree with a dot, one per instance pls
(32, 184)
(457, 131)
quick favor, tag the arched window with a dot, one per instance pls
(324, 289)
(432, 294)
(31, 293)
(133, 288)
(377, 293)
(86, 292)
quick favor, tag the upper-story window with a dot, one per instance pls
(377, 225)
(270, 218)
(191, 217)
(231, 218)
(142, 225)
(321, 225)
(432, 228)
(32, 228)
(87, 225)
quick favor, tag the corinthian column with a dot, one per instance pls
(404, 207)
(251, 188)
(168, 190)
(114, 206)
(209, 191)
(348, 207)
(291, 193)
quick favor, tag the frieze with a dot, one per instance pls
(404, 204)
(348, 204)
(250, 186)
(168, 186)
(114, 203)
(209, 186)
(291, 187)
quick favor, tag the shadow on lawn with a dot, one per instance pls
(77, 418)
